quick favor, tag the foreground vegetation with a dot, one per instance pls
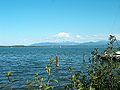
(100, 74)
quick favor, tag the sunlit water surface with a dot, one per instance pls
(24, 62)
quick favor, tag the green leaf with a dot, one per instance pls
(9, 74)
(73, 77)
(37, 85)
(36, 74)
(91, 88)
(48, 69)
(56, 81)
(67, 87)
(50, 87)
(42, 79)
(95, 77)
(70, 69)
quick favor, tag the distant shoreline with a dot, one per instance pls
(52, 46)
(21, 46)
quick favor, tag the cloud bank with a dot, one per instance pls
(63, 35)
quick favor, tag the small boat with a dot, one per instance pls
(114, 57)
(117, 54)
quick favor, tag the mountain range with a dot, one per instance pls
(103, 42)
(54, 43)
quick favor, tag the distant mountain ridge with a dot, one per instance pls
(54, 43)
(103, 42)
(98, 43)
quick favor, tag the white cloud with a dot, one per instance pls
(78, 36)
(66, 36)
(63, 35)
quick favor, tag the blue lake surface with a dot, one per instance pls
(24, 62)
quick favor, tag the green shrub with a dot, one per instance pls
(41, 82)
(102, 74)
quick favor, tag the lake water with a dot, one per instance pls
(24, 62)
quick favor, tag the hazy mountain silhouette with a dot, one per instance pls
(103, 42)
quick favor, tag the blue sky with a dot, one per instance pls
(30, 21)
